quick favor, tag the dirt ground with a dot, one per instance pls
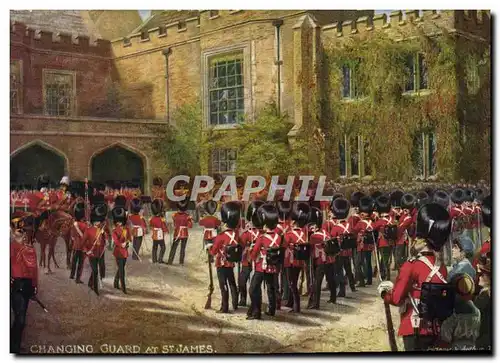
(163, 312)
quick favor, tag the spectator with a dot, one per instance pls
(461, 329)
(483, 302)
(461, 253)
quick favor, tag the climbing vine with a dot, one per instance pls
(389, 119)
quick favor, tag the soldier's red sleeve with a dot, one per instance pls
(216, 246)
(164, 225)
(256, 249)
(217, 223)
(116, 239)
(151, 224)
(243, 238)
(85, 241)
(405, 223)
(190, 222)
(401, 287)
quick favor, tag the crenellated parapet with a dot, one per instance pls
(64, 42)
(403, 23)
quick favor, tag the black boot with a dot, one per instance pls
(341, 291)
(116, 284)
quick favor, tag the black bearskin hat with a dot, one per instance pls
(422, 199)
(383, 204)
(183, 205)
(408, 201)
(157, 207)
(336, 196)
(119, 215)
(135, 205)
(434, 225)
(355, 197)
(457, 196)
(366, 204)
(376, 194)
(252, 209)
(316, 217)
(340, 208)
(120, 201)
(469, 195)
(486, 211)
(79, 211)
(99, 213)
(268, 215)
(43, 181)
(396, 196)
(211, 206)
(230, 214)
(284, 208)
(442, 198)
(157, 181)
(429, 191)
(479, 194)
(300, 213)
(97, 198)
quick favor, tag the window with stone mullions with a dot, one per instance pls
(350, 80)
(58, 94)
(224, 161)
(226, 90)
(15, 87)
(417, 77)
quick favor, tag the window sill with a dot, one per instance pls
(223, 127)
(424, 92)
(353, 100)
(213, 17)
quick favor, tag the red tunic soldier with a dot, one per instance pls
(284, 208)
(267, 255)
(419, 321)
(366, 239)
(23, 273)
(94, 242)
(404, 221)
(137, 225)
(342, 231)
(324, 265)
(227, 251)
(77, 232)
(159, 227)
(247, 239)
(210, 223)
(182, 221)
(121, 236)
(386, 235)
(297, 250)
(456, 210)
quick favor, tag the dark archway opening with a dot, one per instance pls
(118, 164)
(28, 164)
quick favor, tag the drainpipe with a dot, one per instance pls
(278, 23)
(166, 52)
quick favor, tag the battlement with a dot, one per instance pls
(64, 42)
(466, 21)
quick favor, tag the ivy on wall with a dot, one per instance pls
(389, 119)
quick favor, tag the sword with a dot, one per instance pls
(34, 298)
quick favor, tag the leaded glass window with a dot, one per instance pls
(59, 93)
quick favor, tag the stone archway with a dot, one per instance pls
(120, 163)
(34, 159)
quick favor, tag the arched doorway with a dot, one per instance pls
(119, 164)
(30, 162)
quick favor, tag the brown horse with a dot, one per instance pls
(49, 228)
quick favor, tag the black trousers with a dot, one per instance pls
(364, 267)
(157, 243)
(414, 343)
(293, 301)
(321, 271)
(342, 269)
(171, 255)
(102, 266)
(243, 278)
(136, 243)
(256, 293)
(225, 275)
(93, 279)
(384, 255)
(284, 284)
(77, 265)
(399, 255)
(120, 273)
(20, 295)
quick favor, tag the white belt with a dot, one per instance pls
(159, 232)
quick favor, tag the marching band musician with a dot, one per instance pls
(297, 250)
(267, 255)
(94, 242)
(182, 221)
(159, 228)
(23, 273)
(77, 232)
(121, 236)
(138, 226)
(227, 251)
(323, 264)
(342, 230)
(247, 240)
(433, 229)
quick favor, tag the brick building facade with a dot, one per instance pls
(84, 100)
